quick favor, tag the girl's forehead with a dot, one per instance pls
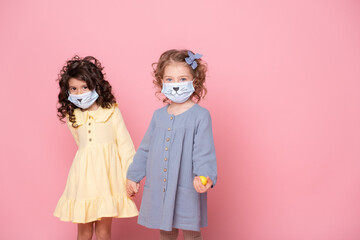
(177, 68)
(75, 81)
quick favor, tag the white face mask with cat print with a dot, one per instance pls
(84, 100)
(178, 92)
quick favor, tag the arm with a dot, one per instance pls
(123, 140)
(137, 170)
(204, 158)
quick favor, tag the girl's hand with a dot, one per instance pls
(132, 188)
(199, 187)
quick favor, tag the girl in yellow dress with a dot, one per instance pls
(95, 189)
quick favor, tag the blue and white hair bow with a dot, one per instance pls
(191, 59)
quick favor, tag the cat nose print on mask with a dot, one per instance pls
(79, 100)
(176, 89)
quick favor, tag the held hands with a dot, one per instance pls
(199, 187)
(132, 188)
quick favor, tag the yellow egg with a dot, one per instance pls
(203, 180)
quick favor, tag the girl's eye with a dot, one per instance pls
(183, 79)
(168, 79)
(72, 89)
(85, 87)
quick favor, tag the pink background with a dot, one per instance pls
(283, 93)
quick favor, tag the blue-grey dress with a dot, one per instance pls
(173, 151)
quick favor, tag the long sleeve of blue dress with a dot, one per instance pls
(204, 158)
(137, 169)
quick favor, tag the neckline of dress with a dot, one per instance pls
(188, 110)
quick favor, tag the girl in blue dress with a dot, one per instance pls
(176, 150)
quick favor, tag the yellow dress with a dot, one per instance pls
(95, 186)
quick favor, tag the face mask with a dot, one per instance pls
(178, 92)
(84, 100)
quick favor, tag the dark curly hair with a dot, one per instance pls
(88, 69)
(198, 73)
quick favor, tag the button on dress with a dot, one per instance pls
(95, 187)
(174, 150)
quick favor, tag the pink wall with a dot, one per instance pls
(283, 93)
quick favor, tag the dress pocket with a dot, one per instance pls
(146, 201)
(187, 206)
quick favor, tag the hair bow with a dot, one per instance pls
(191, 59)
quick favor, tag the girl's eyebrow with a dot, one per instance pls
(179, 76)
(70, 86)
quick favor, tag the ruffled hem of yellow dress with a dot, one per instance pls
(85, 211)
